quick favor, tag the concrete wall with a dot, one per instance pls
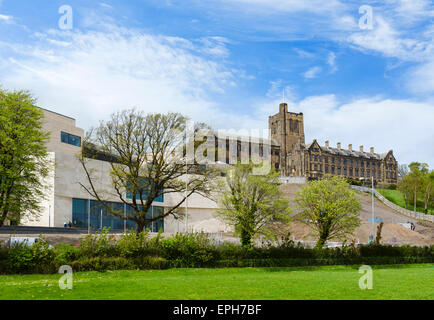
(409, 213)
(46, 217)
(56, 123)
(65, 185)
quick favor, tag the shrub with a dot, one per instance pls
(37, 258)
(189, 250)
(102, 264)
(151, 262)
(65, 254)
(99, 244)
(133, 245)
(20, 258)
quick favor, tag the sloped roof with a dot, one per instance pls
(350, 153)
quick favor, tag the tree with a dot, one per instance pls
(147, 160)
(329, 207)
(428, 189)
(405, 187)
(24, 159)
(402, 171)
(252, 203)
(416, 179)
(378, 235)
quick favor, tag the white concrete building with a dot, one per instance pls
(67, 201)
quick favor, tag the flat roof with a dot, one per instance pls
(56, 113)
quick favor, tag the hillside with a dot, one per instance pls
(422, 235)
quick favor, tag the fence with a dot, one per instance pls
(293, 180)
(409, 213)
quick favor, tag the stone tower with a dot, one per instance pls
(287, 130)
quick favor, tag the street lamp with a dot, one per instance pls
(373, 214)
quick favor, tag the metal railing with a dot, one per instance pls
(409, 213)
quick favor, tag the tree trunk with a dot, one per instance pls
(140, 227)
(246, 239)
(415, 200)
(320, 243)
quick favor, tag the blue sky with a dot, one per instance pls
(228, 62)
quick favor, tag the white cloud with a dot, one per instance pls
(89, 75)
(312, 72)
(331, 61)
(315, 6)
(402, 125)
(385, 39)
(7, 19)
(105, 5)
(421, 79)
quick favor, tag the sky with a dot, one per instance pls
(362, 72)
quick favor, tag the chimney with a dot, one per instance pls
(361, 148)
(327, 144)
(350, 147)
(283, 108)
(372, 149)
(339, 146)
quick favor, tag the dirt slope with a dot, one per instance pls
(422, 235)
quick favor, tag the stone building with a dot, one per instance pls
(313, 161)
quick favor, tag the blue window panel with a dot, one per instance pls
(101, 218)
(70, 139)
(79, 213)
(144, 192)
(64, 137)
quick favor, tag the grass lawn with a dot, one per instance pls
(328, 282)
(397, 198)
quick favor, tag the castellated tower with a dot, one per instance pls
(287, 130)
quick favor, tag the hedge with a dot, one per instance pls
(102, 251)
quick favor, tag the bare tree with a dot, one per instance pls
(147, 156)
(402, 171)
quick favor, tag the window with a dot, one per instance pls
(339, 170)
(327, 169)
(326, 160)
(351, 172)
(100, 216)
(70, 139)
(144, 192)
(333, 170)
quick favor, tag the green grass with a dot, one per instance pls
(397, 198)
(328, 282)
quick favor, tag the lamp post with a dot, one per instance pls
(186, 194)
(373, 210)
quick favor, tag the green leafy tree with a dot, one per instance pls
(428, 189)
(329, 207)
(252, 203)
(417, 174)
(23, 157)
(405, 187)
